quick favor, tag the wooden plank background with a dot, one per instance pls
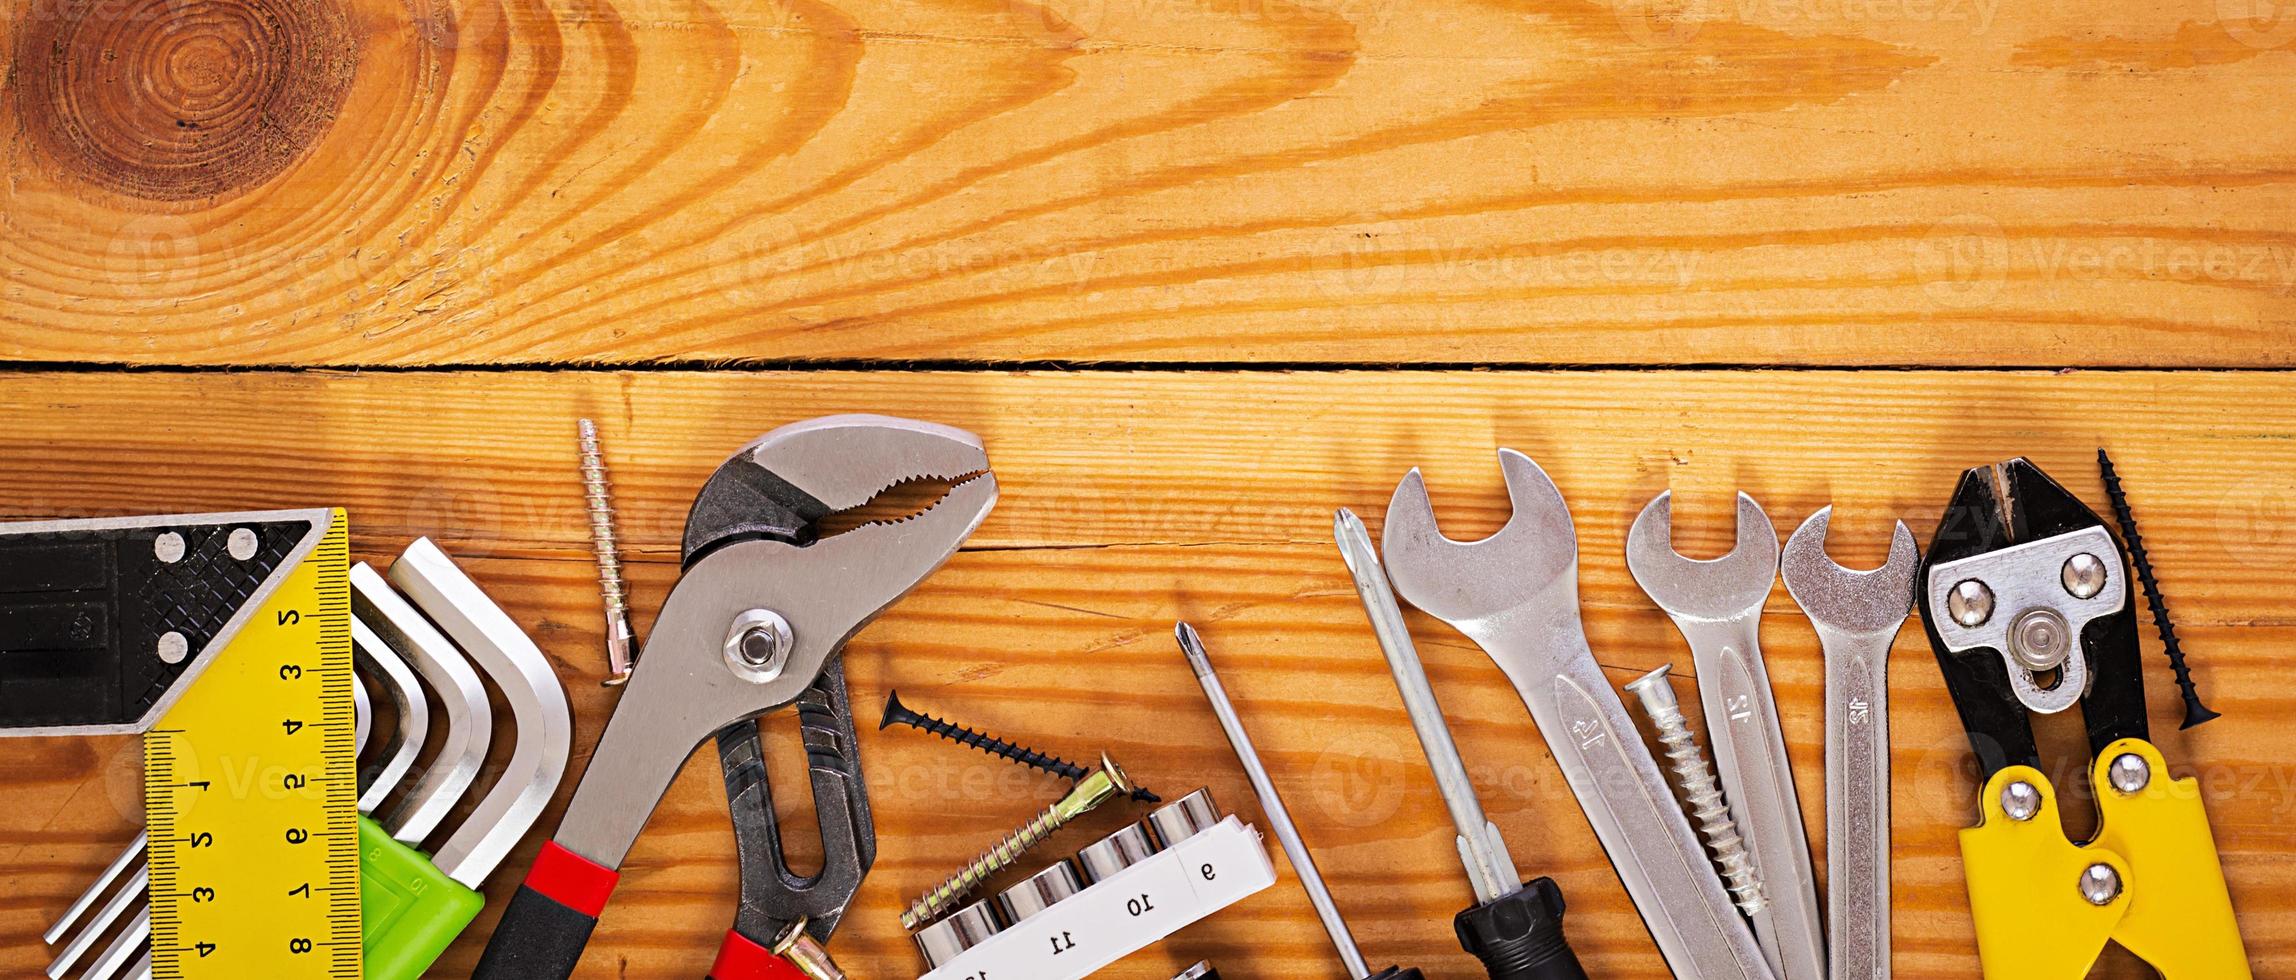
(1198, 271)
(1207, 495)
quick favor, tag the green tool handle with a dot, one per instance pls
(409, 910)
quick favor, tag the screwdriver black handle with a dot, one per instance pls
(1520, 937)
(1398, 973)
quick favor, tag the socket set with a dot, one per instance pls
(1122, 894)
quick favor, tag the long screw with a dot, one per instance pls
(1102, 785)
(897, 713)
(1696, 777)
(2195, 713)
(620, 640)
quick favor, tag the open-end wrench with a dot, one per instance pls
(1515, 594)
(1857, 615)
(1717, 604)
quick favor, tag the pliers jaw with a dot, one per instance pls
(782, 485)
(2000, 517)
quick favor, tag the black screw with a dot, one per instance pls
(897, 713)
(2195, 713)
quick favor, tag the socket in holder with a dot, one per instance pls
(964, 929)
(1184, 818)
(1039, 891)
(1116, 852)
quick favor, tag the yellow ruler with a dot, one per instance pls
(251, 794)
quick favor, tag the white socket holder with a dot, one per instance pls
(1129, 911)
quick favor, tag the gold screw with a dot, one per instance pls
(808, 956)
(1103, 784)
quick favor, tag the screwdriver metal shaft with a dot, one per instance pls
(1490, 870)
(1294, 848)
(1515, 928)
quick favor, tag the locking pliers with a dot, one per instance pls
(761, 611)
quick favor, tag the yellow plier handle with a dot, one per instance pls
(2151, 880)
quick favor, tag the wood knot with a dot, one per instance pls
(176, 100)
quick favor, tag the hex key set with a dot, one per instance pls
(2026, 597)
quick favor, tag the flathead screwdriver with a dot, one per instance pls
(1294, 848)
(1514, 928)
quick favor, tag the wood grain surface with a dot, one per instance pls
(418, 182)
(1131, 499)
(1260, 257)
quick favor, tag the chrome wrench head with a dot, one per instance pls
(1843, 601)
(1703, 589)
(1516, 594)
(1717, 604)
(1856, 614)
(1531, 561)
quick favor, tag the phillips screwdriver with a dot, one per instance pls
(1294, 848)
(1515, 928)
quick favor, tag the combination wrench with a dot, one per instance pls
(1515, 594)
(1857, 615)
(1717, 604)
